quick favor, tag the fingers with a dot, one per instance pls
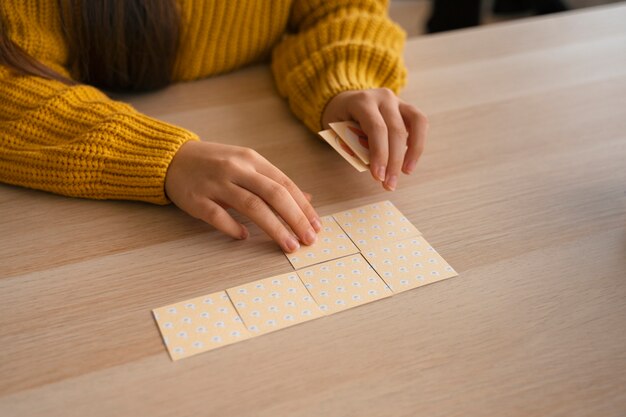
(397, 138)
(417, 125)
(280, 200)
(205, 179)
(396, 130)
(304, 203)
(257, 210)
(213, 214)
(397, 133)
(374, 126)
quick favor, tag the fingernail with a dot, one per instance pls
(310, 236)
(381, 173)
(410, 167)
(392, 181)
(244, 233)
(317, 225)
(291, 244)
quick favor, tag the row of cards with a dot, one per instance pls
(360, 256)
(350, 142)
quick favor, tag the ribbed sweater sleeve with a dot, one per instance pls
(335, 46)
(74, 140)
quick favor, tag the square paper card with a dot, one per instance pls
(199, 324)
(331, 243)
(343, 149)
(374, 224)
(274, 303)
(409, 264)
(355, 138)
(344, 283)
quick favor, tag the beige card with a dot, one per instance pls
(344, 283)
(332, 243)
(342, 149)
(355, 138)
(200, 324)
(408, 264)
(274, 303)
(377, 223)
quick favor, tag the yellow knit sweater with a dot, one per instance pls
(75, 141)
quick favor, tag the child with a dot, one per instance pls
(332, 60)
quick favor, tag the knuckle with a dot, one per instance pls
(287, 183)
(363, 106)
(228, 165)
(252, 203)
(398, 133)
(380, 160)
(248, 153)
(395, 167)
(362, 95)
(377, 156)
(395, 162)
(415, 113)
(309, 211)
(360, 106)
(211, 214)
(378, 126)
(278, 192)
(277, 230)
(302, 223)
(387, 92)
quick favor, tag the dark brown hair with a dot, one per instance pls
(14, 57)
(113, 44)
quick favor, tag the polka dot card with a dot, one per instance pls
(343, 283)
(332, 243)
(199, 324)
(408, 264)
(374, 224)
(274, 303)
(361, 255)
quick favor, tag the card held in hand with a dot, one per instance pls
(343, 149)
(355, 138)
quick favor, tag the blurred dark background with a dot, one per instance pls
(415, 15)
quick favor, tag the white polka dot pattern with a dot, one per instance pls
(332, 243)
(409, 264)
(274, 303)
(374, 224)
(200, 324)
(332, 275)
(343, 283)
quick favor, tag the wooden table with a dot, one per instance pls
(522, 190)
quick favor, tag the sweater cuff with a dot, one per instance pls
(135, 167)
(340, 68)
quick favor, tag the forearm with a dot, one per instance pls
(74, 141)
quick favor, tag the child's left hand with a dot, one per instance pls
(396, 130)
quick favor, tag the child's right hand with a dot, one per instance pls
(205, 178)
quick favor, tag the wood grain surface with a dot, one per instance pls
(522, 189)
